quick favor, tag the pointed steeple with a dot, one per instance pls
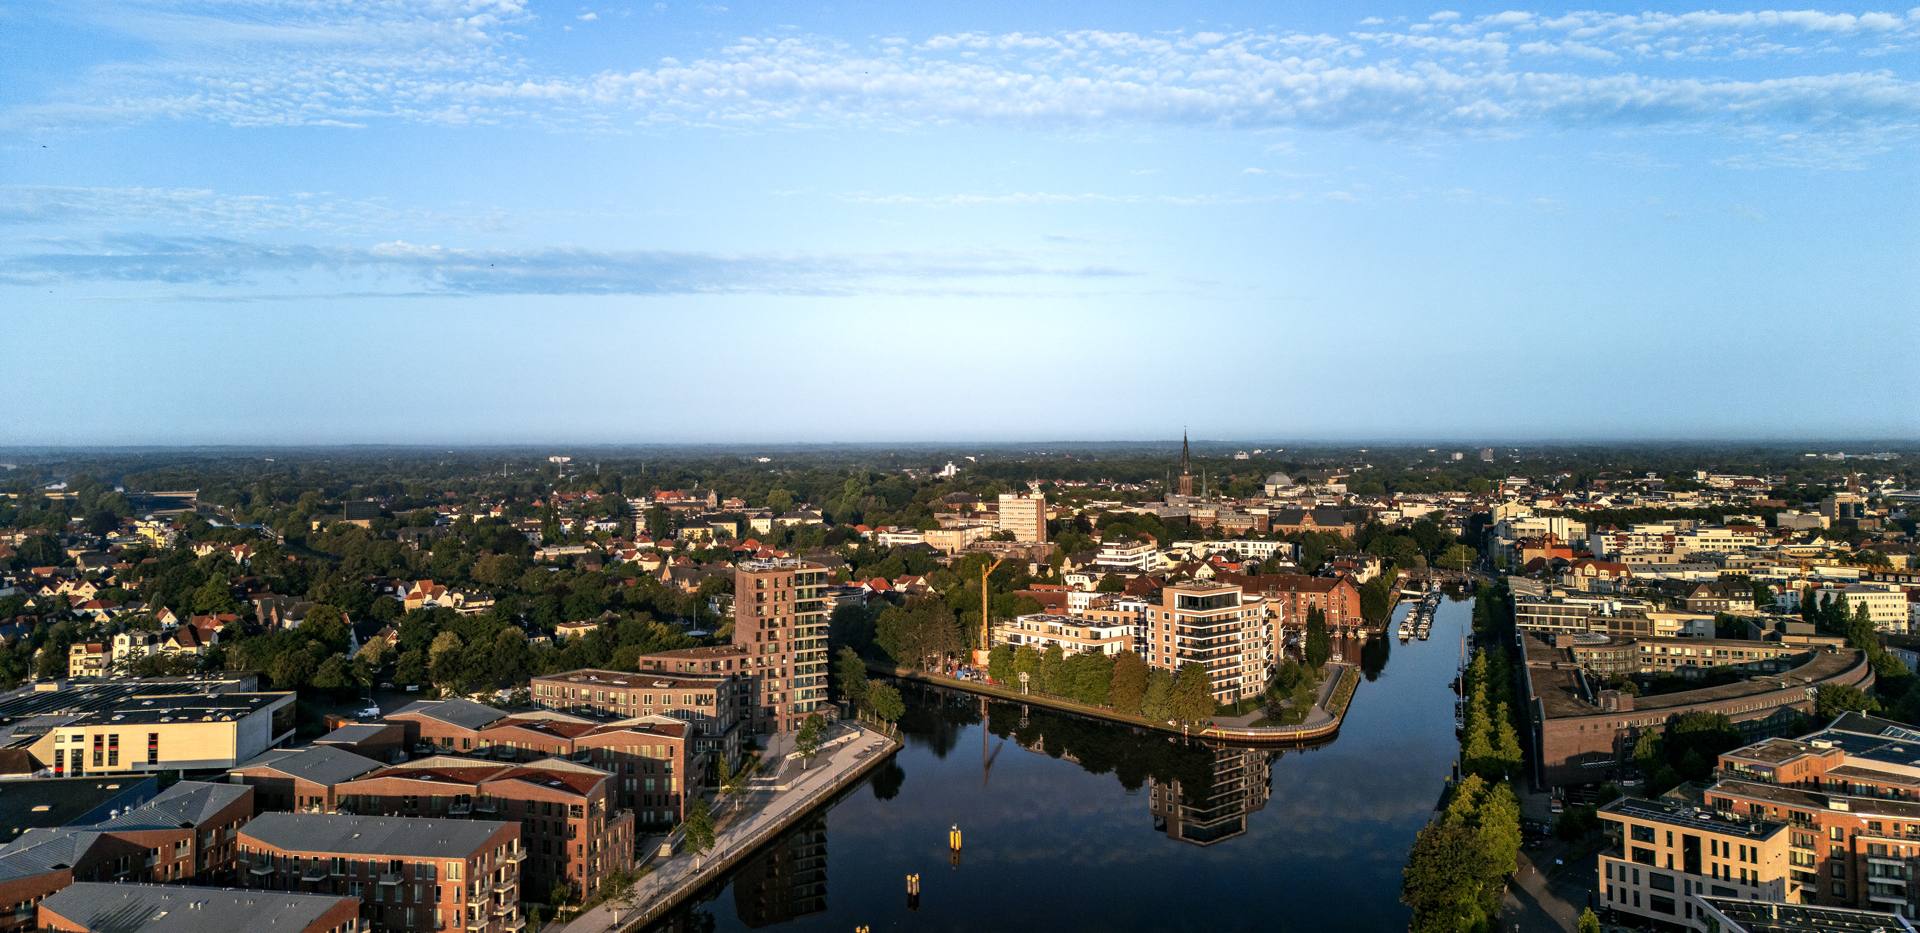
(1186, 452)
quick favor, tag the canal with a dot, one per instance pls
(1072, 824)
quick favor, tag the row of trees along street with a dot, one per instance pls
(1457, 871)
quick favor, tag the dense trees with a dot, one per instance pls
(1459, 864)
(1128, 685)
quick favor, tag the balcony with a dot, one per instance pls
(314, 873)
(261, 870)
(516, 855)
(505, 887)
(389, 877)
(460, 808)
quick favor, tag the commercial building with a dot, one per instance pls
(409, 874)
(91, 907)
(569, 826)
(780, 618)
(130, 726)
(1207, 624)
(1025, 516)
(1583, 731)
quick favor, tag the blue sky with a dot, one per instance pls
(297, 221)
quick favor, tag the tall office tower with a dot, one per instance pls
(780, 618)
(1025, 516)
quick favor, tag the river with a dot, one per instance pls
(1084, 825)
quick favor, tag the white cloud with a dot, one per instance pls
(459, 61)
(588, 16)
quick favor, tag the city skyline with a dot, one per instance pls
(488, 221)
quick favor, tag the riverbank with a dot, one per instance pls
(765, 810)
(1322, 722)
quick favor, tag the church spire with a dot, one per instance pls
(1186, 465)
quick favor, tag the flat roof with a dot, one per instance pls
(1770, 917)
(631, 679)
(80, 696)
(1813, 800)
(154, 908)
(1676, 813)
(44, 803)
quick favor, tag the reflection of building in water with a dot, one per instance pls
(1240, 787)
(787, 879)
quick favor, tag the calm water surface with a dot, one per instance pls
(1077, 825)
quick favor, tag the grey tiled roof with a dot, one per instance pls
(464, 713)
(321, 764)
(153, 908)
(395, 836)
(185, 803)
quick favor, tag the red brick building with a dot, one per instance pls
(410, 874)
(573, 832)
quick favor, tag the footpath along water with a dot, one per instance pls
(1074, 824)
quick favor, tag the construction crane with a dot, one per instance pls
(986, 643)
(986, 627)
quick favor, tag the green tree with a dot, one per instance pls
(1319, 645)
(1458, 557)
(1156, 704)
(1441, 886)
(1193, 694)
(698, 826)
(1051, 664)
(1830, 700)
(887, 705)
(1589, 922)
(807, 740)
(851, 673)
(1000, 663)
(1129, 686)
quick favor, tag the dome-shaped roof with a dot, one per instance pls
(1279, 479)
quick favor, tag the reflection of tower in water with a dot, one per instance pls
(787, 879)
(1240, 786)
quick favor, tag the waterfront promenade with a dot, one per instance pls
(1321, 722)
(773, 801)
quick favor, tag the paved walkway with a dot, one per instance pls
(774, 799)
(1317, 715)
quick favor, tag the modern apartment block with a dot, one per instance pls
(409, 874)
(780, 617)
(1829, 820)
(1074, 634)
(569, 825)
(1025, 516)
(1208, 624)
(1664, 852)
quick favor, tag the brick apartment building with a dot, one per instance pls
(410, 874)
(300, 778)
(1827, 819)
(780, 612)
(87, 907)
(716, 707)
(571, 830)
(185, 833)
